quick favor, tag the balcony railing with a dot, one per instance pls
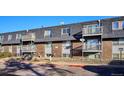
(28, 37)
(93, 48)
(92, 31)
(117, 43)
(28, 48)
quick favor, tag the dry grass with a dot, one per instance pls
(76, 60)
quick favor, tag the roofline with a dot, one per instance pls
(61, 25)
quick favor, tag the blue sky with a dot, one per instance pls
(16, 23)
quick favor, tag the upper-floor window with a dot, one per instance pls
(115, 25)
(118, 25)
(1, 38)
(47, 33)
(9, 37)
(18, 36)
(65, 31)
(123, 24)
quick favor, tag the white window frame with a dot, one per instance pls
(47, 33)
(120, 27)
(64, 46)
(66, 31)
(9, 37)
(10, 49)
(48, 47)
(2, 37)
(18, 36)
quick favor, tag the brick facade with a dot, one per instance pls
(76, 48)
(40, 49)
(57, 49)
(74, 35)
(107, 50)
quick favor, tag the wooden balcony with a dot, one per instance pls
(92, 31)
(28, 37)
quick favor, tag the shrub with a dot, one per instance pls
(36, 59)
(18, 58)
(5, 54)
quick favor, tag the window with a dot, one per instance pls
(1, 38)
(115, 25)
(18, 36)
(118, 56)
(48, 49)
(47, 33)
(91, 29)
(18, 50)
(123, 25)
(93, 44)
(10, 49)
(9, 37)
(65, 31)
(66, 49)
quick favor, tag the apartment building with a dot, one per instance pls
(98, 39)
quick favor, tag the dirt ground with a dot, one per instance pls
(44, 70)
(48, 69)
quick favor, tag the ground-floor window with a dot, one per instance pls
(48, 49)
(118, 56)
(18, 50)
(118, 48)
(10, 49)
(66, 49)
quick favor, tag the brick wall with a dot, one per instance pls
(57, 49)
(40, 49)
(14, 49)
(6, 48)
(76, 48)
(107, 49)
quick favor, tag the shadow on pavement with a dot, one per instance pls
(13, 65)
(51, 69)
(114, 68)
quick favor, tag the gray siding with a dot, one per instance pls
(74, 29)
